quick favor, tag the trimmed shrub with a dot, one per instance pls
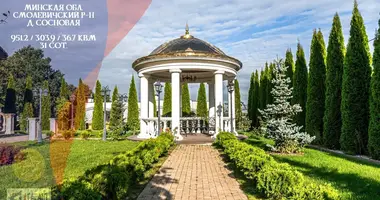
(67, 134)
(113, 180)
(272, 179)
(10, 154)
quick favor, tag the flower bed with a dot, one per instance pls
(272, 179)
(112, 180)
(9, 154)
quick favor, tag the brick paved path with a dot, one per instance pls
(193, 172)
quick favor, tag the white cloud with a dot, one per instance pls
(227, 24)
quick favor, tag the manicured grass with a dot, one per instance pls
(71, 157)
(353, 179)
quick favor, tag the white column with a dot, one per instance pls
(52, 125)
(233, 111)
(218, 94)
(32, 128)
(143, 107)
(9, 123)
(151, 98)
(175, 76)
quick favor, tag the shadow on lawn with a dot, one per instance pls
(361, 188)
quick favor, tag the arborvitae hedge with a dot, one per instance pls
(202, 110)
(300, 85)
(10, 98)
(186, 110)
(167, 109)
(315, 105)
(238, 112)
(116, 115)
(133, 122)
(332, 120)
(97, 116)
(374, 123)
(80, 108)
(355, 88)
(28, 105)
(46, 108)
(256, 101)
(250, 95)
(290, 64)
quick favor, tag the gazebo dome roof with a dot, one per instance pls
(187, 44)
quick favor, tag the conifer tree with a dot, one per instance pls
(355, 88)
(256, 100)
(250, 96)
(186, 110)
(116, 115)
(270, 76)
(10, 98)
(28, 105)
(300, 86)
(332, 119)
(46, 108)
(80, 108)
(97, 116)
(263, 88)
(63, 91)
(167, 109)
(277, 117)
(238, 112)
(133, 107)
(202, 110)
(374, 123)
(290, 64)
(315, 104)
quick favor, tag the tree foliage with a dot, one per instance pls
(290, 64)
(28, 105)
(238, 112)
(300, 86)
(133, 122)
(278, 117)
(256, 100)
(374, 123)
(167, 109)
(332, 119)
(270, 77)
(10, 98)
(355, 88)
(46, 108)
(98, 115)
(186, 110)
(263, 87)
(315, 104)
(116, 115)
(80, 108)
(250, 95)
(202, 110)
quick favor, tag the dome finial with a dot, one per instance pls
(187, 29)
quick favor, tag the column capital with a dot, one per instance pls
(143, 75)
(175, 71)
(219, 72)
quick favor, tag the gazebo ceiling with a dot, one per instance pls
(186, 49)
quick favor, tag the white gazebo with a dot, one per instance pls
(186, 59)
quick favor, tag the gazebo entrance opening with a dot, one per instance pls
(186, 59)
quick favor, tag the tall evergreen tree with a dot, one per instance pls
(80, 108)
(355, 88)
(256, 101)
(133, 107)
(97, 116)
(263, 88)
(315, 104)
(270, 85)
(374, 123)
(238, 112)
(28, 105)
(116, 115)
(290, 64)
(186, 110)
(332, 119)
(63, 91)
(167, 109)
(10, 98)
(250, 95)
(202, 110)
(46, 108)
(300, 85)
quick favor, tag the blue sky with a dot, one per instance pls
(252, 31)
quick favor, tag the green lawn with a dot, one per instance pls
(353, 179)
(36, 170)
